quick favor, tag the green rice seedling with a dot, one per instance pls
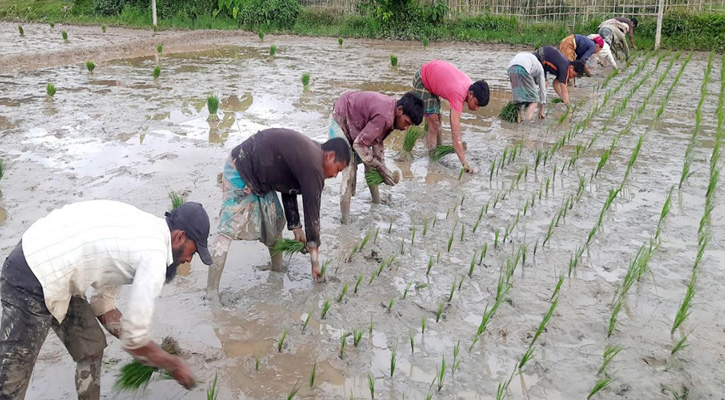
(371, 386)
(610, 352)
(257, 364)
(559, 282)
(456, 361)
(135, 375)
(211, 391)
(306, 80)
(412, 237)
(509, 113)
(52, 24)
(495, 239)
(411, 137)
(176, 200)
(342, 293)
(356, 337)
(492, 169)
(450, 239)
(483, 253)
(157, 72)
(393, 358)
(377, 231)
(103, 28)
(438, 256)
(287, 247)
(65, 35)
(261, 36)
(365, 240)
(681, 344)
(435, 219)
(407, 287)
(423, 323)
(442, 151)
(159, 48)
(684, 310)
(313, 375)
(272, 50)
(393, 60)
(463, 231)
(411, 337)
(156, 28)
(473, 264)
(441, 373)
(439, 311)
(373, 275)
(357, 283)
(212, 103)
(453, 290)
(613, 318)
(280, 344)
(20, 29)
(371, 326)
(390, 304)
(460, 173)
(425, 42)
(601, 384)
(373, 178)
(390, 227)
(295, 388)
(339, 41)
(402, 246)
(50, 90)
(325, 308)
(343, 342)
(307, 321)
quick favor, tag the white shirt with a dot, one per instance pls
(101, 244)
(605, 54)
(533, 66)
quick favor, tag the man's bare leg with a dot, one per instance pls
(220, 244)
(88, 377)
(434, 137)
(374, 191)
(276, 258)
(530, 110)
(349, 175)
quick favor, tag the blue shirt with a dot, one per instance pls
(584, 47)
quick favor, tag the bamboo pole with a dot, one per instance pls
(658, 35)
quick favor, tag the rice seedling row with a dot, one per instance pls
(698, 123)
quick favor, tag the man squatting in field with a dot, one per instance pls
(438, 79)
(270, 161)
(365, 119)
(555, 63)
(102, 245)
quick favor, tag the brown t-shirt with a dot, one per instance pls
(366, 117)
(290, 163)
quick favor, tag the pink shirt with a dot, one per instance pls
(446, 81)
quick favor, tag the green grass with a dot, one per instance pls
(287, 247)
(157, 71)
(509, 112)
(176, 200)
(393, 60)
(50, 90)
(442, 151)
(211, 391)
(272, 50)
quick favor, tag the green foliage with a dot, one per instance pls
(393, 60)
(268, 15)
(212, 103)
(50, 89)
(425, 42)
(157, 72)
(90, 65)
(272, 50)
(509, 113)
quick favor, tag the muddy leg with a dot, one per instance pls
(530, 111)
(434, 132)
(349, 175)
(374, 192)
(88, 377)
(219, 248)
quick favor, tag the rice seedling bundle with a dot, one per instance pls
(325, 308)
(509, 112)
(442, 151)
(411, 137)
(212, 103)
(20, 29)
(103, 28)
(90, 65)
(339, 41)
(159, 48)
(176, 200)
(393, 60)
(157, 72)
(65, 35)
(272, 50)
(50, 90)
(287, 247)
(261, 36)
(425, 42)
(306, 79)
(136, 376)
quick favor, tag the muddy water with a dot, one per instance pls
(119, 134)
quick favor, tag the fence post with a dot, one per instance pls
(658, 35)
(153, 11)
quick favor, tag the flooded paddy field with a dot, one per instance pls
(585, 214)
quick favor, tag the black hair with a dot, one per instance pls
(481, 92)
(340, 147)
(412, 107)
(579, 67)
(634, 21)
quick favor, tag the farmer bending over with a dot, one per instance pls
(579, 47)
(270, 161)
(629, 30)
(365, 119)
(438, 79)
(555, 63)
(613, 31)
(528, 83)
(604, 56)
(102, 245)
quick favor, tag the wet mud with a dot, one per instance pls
(120, 134)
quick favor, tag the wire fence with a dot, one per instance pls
(547, 10)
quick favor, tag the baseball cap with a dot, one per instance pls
(191, 218)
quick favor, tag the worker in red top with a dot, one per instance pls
(438, 79)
